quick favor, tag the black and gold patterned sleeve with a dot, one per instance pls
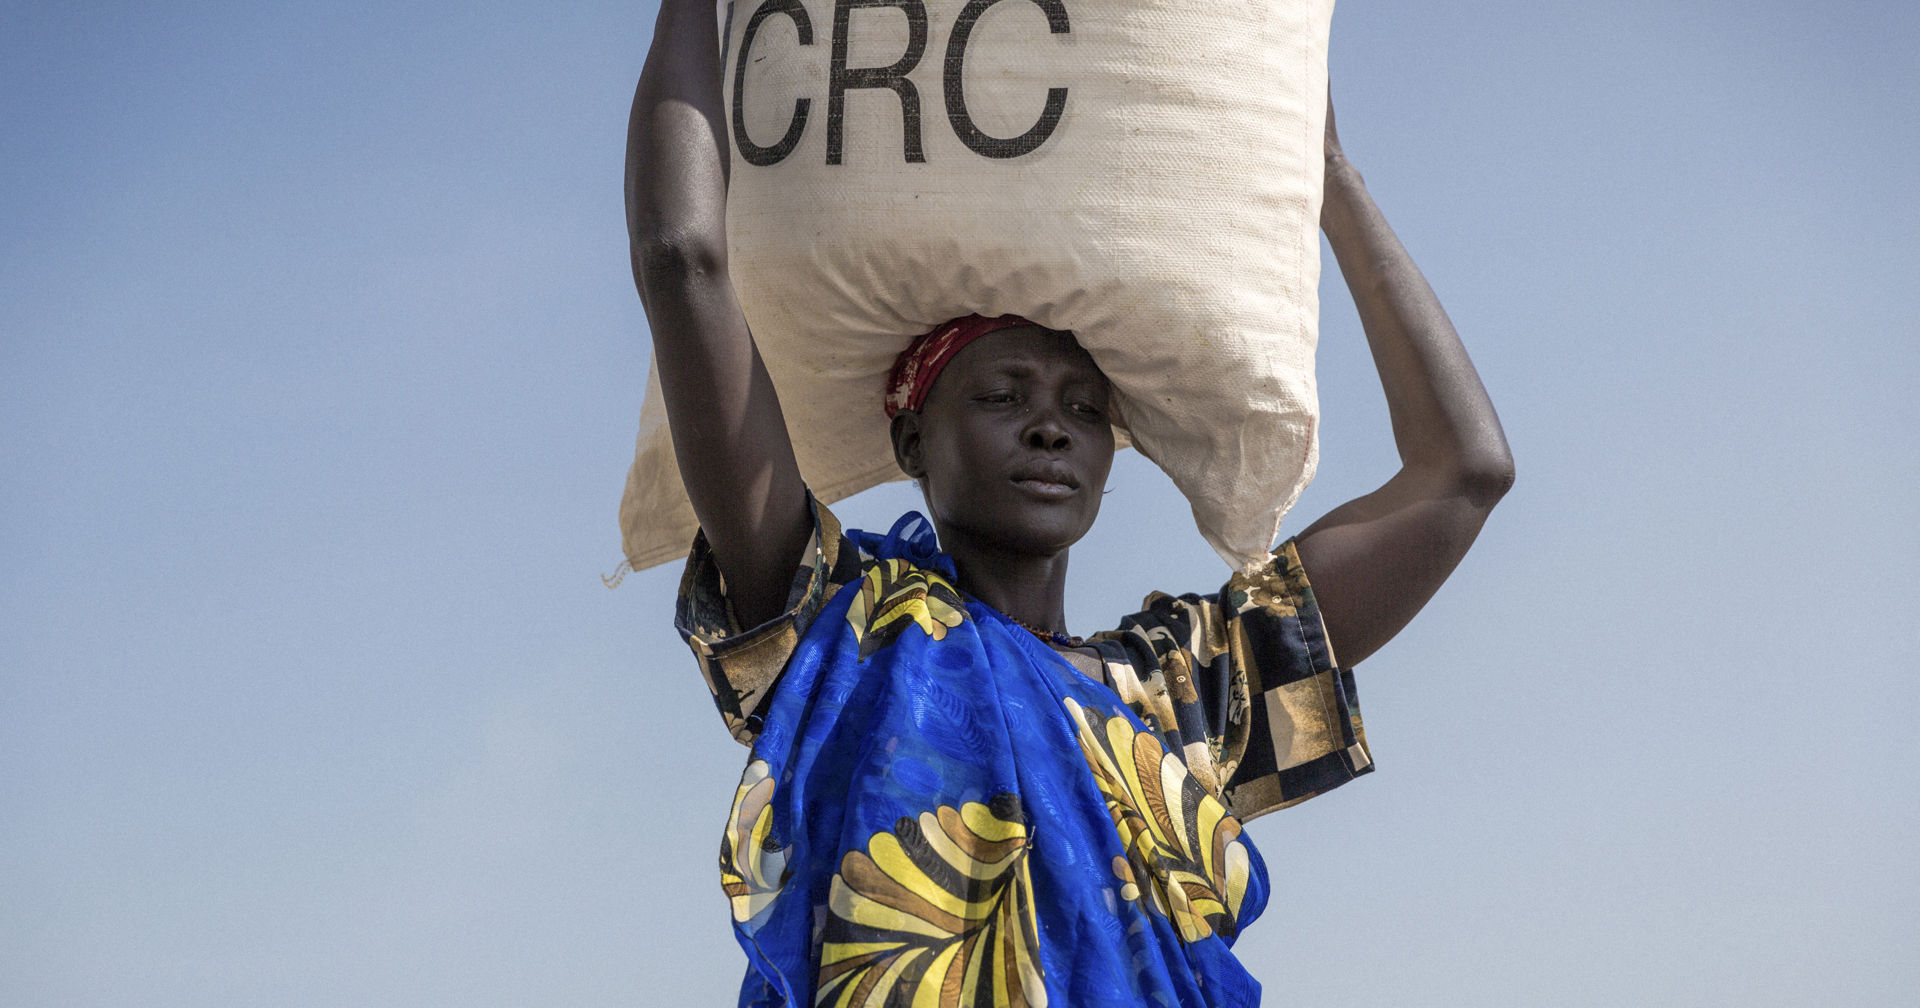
(742, 665)
(1244, 684)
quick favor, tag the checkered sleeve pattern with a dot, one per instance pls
(741, 666)
(1243, 683)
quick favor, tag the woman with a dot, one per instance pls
(949, 797)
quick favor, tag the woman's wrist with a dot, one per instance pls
(1343, 193)
(1340, 171)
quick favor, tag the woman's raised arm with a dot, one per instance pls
(1376, 560)
(728, 433)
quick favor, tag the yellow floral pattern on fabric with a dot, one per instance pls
(896, 594)
(938, 913)
(1184, 853)
(753, 866)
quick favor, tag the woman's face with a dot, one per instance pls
(1013, 444)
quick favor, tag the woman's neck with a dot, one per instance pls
(1030, 590)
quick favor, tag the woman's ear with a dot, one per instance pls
(906, 443)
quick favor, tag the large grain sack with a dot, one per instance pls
(1145, 173)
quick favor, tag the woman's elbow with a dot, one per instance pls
(675, 258)
(1486, 477)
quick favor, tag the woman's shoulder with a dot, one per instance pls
(740, 663)
(1201, 624)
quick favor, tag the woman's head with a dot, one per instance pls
(1011, 441)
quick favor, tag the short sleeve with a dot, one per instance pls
(1244, 684)
(741, 666)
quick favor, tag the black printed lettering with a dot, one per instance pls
(963, 126)
(754, 153)
(841, 79)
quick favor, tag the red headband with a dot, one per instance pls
(922, 361)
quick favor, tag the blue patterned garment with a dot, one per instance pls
(939, 809)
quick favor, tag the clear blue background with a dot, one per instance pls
(319, 371)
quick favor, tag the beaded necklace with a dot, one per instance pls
(1056, 639)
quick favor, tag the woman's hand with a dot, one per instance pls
(1376, 560)
(1332, 136)
(728, 432)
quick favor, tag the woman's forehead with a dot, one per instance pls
(1023, 348)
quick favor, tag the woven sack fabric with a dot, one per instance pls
(1144, 173)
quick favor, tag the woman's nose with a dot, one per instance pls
(1046, 433)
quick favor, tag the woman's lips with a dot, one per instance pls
(1046, 489)
(1048, 481)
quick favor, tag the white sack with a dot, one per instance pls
(1160, 197)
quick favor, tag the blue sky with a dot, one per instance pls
(320, 368)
